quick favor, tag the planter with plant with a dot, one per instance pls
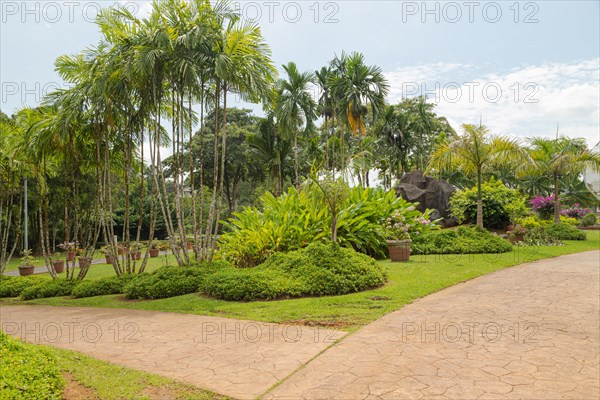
(135, 253)
(70, 248)
(58, 263)
(398, 237)
(155, 249)
(26, 268)
(107, 254)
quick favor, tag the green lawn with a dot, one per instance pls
(100, 270)
(89, 378)
(419, 277)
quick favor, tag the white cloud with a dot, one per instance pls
(525, 101)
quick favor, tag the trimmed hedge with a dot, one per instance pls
(56, 288)
(317, 270)
(13, 286)
(103, 286)
(28, 372)
(171, 281)
(463, 240)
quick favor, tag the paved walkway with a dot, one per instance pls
(460, 343)
(528, 332)
(234, 357)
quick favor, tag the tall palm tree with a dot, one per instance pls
(561, 156)
(356, 86)
(326, 108)
(295, 108)
(473, 152)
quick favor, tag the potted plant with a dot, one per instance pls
(120, 249)
(83, 261)
(106, 251)
(398, 237)
(26, 268)
(70, 248)
(134, 253)
(155, 249)
(58, 263)
(517, 234)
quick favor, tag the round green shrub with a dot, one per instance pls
(318, 270)
(564, 232)
(501, 205)
(103, 286)
(463, 240)
(55, 288)
(588, 220)
(28, 371)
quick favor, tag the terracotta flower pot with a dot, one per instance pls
(135, 255)
(59, 265)
(120, 251)
(154, 253)
(399, 250)
(26, 270)
(71, 256)
(188, 245)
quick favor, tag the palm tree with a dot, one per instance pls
(294, 106)
(354, 87)
(326, 108)
(473, 152)
(561, 156)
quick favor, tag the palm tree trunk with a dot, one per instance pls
(479, 200)
(556, 200)
(296, 159)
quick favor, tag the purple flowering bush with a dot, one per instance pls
(576, 211)
(544, 206)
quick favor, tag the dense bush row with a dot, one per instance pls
(300, 217)
(171, 281)
(12, 286)
(27, 371)
(101, 287)
(55, 288)
(317, 270)
(462, 240)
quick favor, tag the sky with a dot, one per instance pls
(524, 68)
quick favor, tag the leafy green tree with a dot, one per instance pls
(559, 157)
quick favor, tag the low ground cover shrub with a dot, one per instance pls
(565, 232)
(319, 269)
(55, 288)
(13, 286)
(103, 286)
(539, 236)
(501, 205)
(463, 240)
(171, 281)
(28, 371)
(588, 220)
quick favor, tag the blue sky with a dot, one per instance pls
(522, 66)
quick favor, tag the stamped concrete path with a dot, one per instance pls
(527, 332)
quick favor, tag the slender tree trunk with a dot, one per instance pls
(479, 200)
(556, 200)
(296, 179)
